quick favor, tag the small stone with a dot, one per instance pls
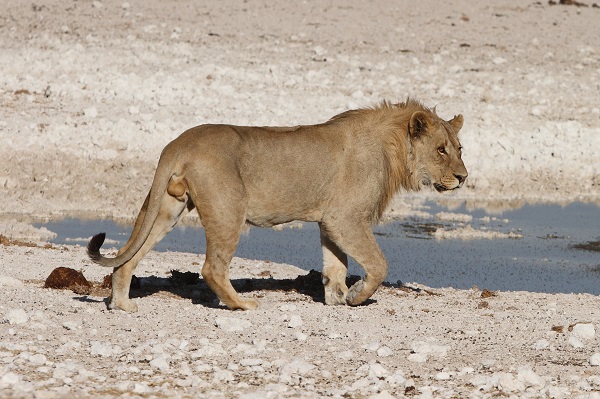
(442, 376)
(16, 316)
(377, 371)
(417, 357)
(300, 336)
(384, 351)
(575, 342)
(251, 362)
(90, 112)
(232, 324)
(345, 355)
(297, 366)
(160, 362)
(70, 325)
(295, 322)
(38, 359)
(360, 384)
(541, 344)
(8, 281)
(372, 347)
(595, 359)
(584, 331)
(9, 379)
(382, 395)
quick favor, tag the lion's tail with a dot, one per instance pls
(164, 171)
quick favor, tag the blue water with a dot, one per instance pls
(544, 260)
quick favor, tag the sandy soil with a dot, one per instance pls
(90, 93)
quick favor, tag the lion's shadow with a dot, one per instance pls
(190, 286)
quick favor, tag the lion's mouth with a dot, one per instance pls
(440, 187)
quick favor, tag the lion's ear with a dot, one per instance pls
(418, 124)
(456, 122)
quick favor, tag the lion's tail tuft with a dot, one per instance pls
(93, 248)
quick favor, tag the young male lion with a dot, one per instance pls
(341, 174)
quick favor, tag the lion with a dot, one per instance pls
(341, 174)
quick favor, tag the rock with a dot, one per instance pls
(297, 366)
(377, 371)
(384, 351)
(442, 376)
(90, 112)
(300, 336)
(575, 342)
(583, 331)
(70, 325)
(422, 350)
(372, 347)
(295, 322)
(595, 359)
(509, 383)
(10, 379)
(232, 324)
(417, 357)
(103, 349)
(249, 362)
(160, 362)
(530, 378)
(38, 359)
(16, 316)
(541, 344)
(382, 395)
(7, 281)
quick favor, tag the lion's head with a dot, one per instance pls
(437, 151)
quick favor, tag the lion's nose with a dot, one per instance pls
(461, 178)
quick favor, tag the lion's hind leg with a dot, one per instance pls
(335, 268)
(221, 241)
(171, 209)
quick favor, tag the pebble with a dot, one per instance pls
(103, 349)
(382, 395)
(595, 359)
(384, 351)
(8, 281)
(297, 366)
(90, 112)
(16, 316)
(232, 324)
(160, 362)
(584, 331)
(300, 336)
(372, 347)
(541, 344)
(295, 322)
(442, 375)
(377, 371)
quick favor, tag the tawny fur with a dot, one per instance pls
(341, 173)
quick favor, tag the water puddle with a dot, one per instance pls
(540, 248)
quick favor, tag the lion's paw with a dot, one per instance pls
(127, 305)
(247, 304)
(335, 294)
(353, 293)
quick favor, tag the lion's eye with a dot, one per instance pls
(442, 150)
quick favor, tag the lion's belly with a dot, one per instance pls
(271, 208)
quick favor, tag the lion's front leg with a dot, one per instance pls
(356, 239)
(335, 268)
